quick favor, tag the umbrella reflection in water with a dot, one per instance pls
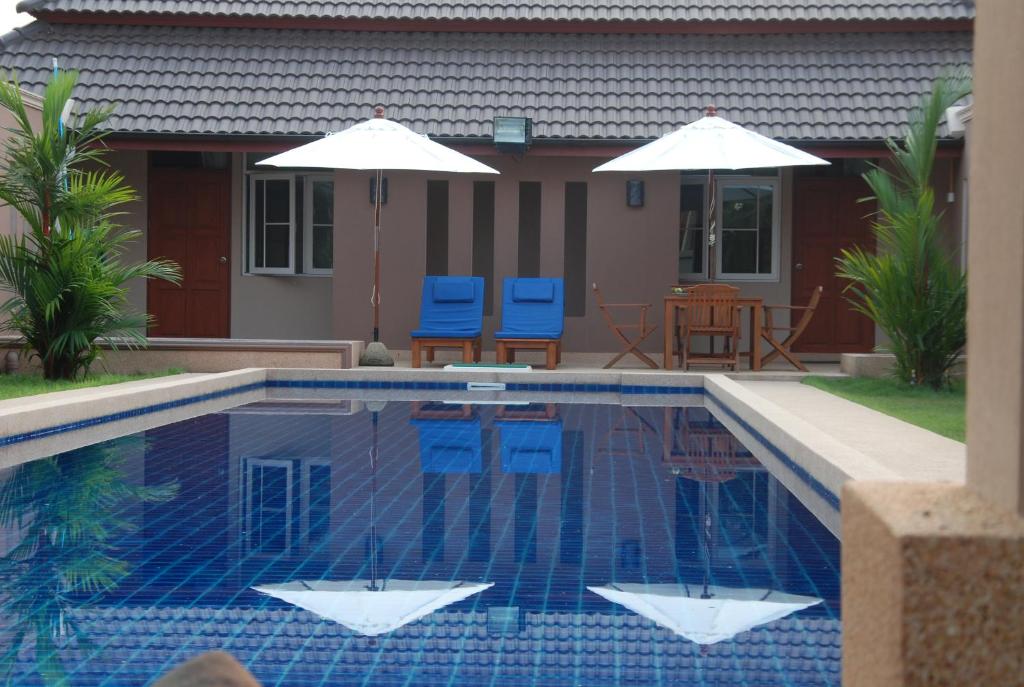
(373, 606)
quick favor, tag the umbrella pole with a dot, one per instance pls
(712, 235)
(375, 298)
(373, 515)
(376, 353)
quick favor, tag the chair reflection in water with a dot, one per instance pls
(531, 438)
(450, 439)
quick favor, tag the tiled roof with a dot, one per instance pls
(551, 648)
(533, 10)
(224, 81)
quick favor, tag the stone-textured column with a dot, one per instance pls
(933, 575)
(995, 392)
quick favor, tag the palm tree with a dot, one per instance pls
(66, 271)
(912, 288)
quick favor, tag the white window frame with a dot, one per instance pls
(721, 183)
(307, 224)
(249, 469)
(702, 181)
(251, 222)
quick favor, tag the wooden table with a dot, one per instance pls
(676, 302)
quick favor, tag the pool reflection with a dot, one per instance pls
(510, 533)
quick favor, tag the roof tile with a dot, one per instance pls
(532, 10)
(184, 80)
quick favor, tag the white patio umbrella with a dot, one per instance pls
(708, 144)
(705, 614)
(378, 144)
(364, 608)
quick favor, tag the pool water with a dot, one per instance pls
(408, 543)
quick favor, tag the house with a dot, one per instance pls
(204, 90)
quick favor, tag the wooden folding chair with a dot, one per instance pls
(642, 329)
(711, 310)
(784, 348)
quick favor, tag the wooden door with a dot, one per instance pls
(828, 217)
(190, 223)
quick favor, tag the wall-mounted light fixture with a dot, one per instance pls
(635, 193)
(513, 134)
(383, 191)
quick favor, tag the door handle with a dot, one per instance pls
(222, 259)
(799, 266)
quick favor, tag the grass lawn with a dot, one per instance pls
(17, 385)
(942, 412)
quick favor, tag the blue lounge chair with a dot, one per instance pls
(450, 446)
(451, 316)
(532, 314)
(531, 446)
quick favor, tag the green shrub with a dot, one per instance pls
(66, 272)
(911, 287)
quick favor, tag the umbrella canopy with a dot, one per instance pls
(379, 144)
(725, 612)
(372, 613)
(710, 143)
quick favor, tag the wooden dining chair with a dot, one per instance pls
(711, 310)
(630, 335)
(770, 327)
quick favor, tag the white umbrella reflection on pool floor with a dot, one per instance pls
(705, 614)
(373, 606)
(373, 609)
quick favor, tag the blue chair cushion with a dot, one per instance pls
(532, 308)
(451, 308)
(533, 291)
(453, 291)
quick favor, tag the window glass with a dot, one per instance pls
(278, 239)
(748, 233)
(278, 202)
(321, 232)
(691, 230)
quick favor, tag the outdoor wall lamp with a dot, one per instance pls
(513, 134)
(635, 193)
(383, 191)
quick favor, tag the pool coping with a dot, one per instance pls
(45, 415)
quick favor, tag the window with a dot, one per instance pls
(290, 224)
(318, 225)
(272, 224)
(747, 227)
(748, 234)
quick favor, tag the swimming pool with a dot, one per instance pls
(343, 542)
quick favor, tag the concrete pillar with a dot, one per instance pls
(995, 392)
(933, 575)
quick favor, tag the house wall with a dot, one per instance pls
(134, 166)
(271, 307)
(631, 252)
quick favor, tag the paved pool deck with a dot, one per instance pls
(909, 452)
